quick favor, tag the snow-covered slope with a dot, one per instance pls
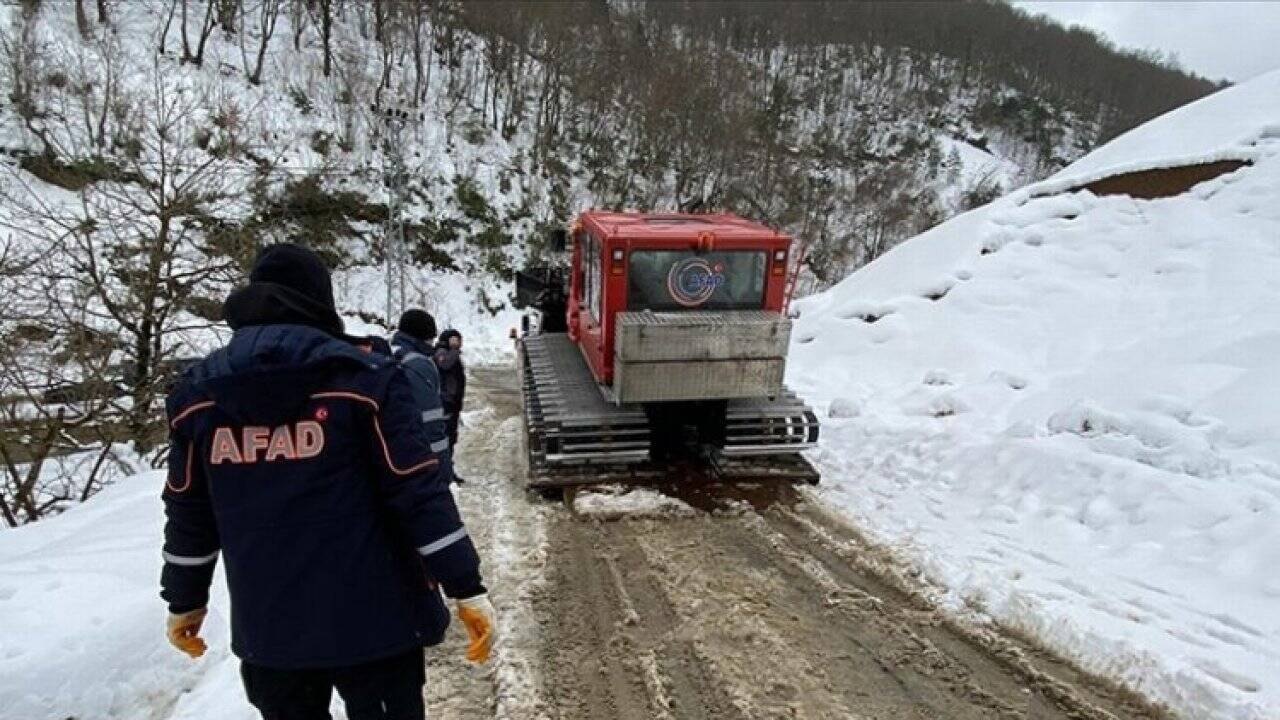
(82, 627)
(1064, 408)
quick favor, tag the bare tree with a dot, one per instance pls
(56, 399)
(227, 11)
(207, 24)
(171, 9)
(322, 12)
(82, 20)
(268, 14)
(298, 16)
(97, 88)
(131, 243)
(24, 58)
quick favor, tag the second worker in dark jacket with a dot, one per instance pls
(412, 347)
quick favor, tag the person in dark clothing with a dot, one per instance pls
(304, 461)
(553, 307)
(411, 346)
(453, 379)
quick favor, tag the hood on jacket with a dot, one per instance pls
(443, 342)
(267, 373)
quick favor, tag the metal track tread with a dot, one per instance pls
(768, 426)
(569, 421)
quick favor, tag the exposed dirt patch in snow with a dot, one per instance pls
(1162, 182)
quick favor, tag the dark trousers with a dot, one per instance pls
(451, 426)
(387, 689)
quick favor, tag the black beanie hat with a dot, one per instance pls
(418, 324)
(288, 284)
(294, 267)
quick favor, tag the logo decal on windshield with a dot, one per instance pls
(693, 281)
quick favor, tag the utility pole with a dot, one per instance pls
(395, 178)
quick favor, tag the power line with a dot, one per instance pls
(395, 178)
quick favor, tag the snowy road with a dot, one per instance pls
(782, 612)
(671, 612)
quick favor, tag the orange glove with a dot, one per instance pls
(477, 615)
(184, 632)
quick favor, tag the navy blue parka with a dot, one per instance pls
(415, 356)
(307, 464)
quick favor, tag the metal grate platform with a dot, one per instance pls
(650, 318)
(768, 426)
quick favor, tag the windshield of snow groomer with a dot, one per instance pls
(666, 280)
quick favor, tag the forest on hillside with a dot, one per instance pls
(151, 146)
(819, 117)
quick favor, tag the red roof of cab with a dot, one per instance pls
(637, 225)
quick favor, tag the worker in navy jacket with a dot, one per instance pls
(304, 462)
(411, 346)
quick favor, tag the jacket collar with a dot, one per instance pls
(279, 347)
(266, 373)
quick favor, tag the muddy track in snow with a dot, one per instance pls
(779, 611)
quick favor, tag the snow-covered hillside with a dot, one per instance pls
(1063, 408)
(79, 614)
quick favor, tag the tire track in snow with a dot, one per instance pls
(785, 613)
(509, 532)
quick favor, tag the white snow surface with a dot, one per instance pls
(449, 296)
(82, 625)
(616, 503)
(978, 165)
(1062, 408)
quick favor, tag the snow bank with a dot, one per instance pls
(616, 503)
(82, 625)
(1064, 407)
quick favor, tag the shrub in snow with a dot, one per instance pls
(843, 407)
(946, 406)
(937, 292)
(1087, 420)
(995, 240)
(937, 377)
(865, 312)
(1015, 382)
